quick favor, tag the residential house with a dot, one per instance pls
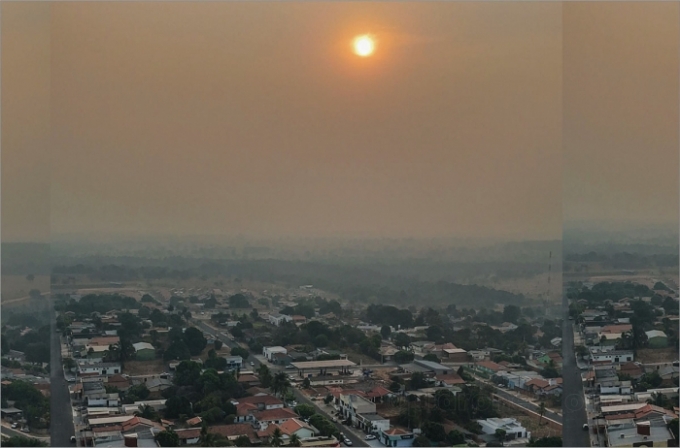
(269, 352)
(273, 416)
(455, 355)
(98, 368)
(513, 429)
(15, 355)
(448, 380)
(612, 356)
(394, 437)
(657, 339)
(278, 319)
(487, 368)
(118, 381)
(297, 427)
(262, 402)
(234, 431)
(144, 351)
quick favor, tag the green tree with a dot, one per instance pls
(421, 441)
(294, 440)
(305, 410)
(22, 441)
(218, 344)
(385, 331)
(242, 441)
(417, 381)
(277, 438)
(402, 357)
(455, 437)
(500, 435)
(195, 341)
(147, 412)
(167, 438)
(264, 375)
(546, 441)
(238, 351)
(541, 410)
(401, 340)
(280, 384)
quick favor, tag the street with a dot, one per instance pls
(61, 414)
(573, 398)
(356, 440)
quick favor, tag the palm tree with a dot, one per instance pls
(280, 384)
(294, 440)
(541, 409)
(277, 438)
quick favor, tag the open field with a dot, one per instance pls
(15, 288)
(530, 423)
(144, 367)
(656, 355)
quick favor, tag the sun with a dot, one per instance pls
(364, 45)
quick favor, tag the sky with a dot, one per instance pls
(621, 117)
(257, 119)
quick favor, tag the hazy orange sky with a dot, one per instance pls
(257, 119)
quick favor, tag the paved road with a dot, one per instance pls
(61, 413)
(528, 405)
(573, 398)
(356, 441)
(221, 335)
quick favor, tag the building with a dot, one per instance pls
(455, 355)
(273, 416)
(657, 339)
(513, 429)
(234, 362)
(278, 319)
(269, 352)
(144, 351)
(297, 427)
(351, 405)
(98, 368)
(261, 402)
(611, 356)
(372, 423)
(487, 368)
(396, 437)
(628, 432)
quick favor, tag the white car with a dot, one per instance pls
(370, 437)
(14, 426)
(347, 442)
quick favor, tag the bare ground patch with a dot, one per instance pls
(144, 367)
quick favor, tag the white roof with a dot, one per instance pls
(655, 334)
(143, 346)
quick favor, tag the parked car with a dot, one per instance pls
(14, 426)
(585, 426)
(73, 439)
(370, 437)
(334, 420)
(676, 363)
(348, 442)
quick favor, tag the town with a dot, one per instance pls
(197, 366)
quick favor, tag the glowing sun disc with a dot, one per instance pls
(364, 45)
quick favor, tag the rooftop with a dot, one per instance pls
(323, 364)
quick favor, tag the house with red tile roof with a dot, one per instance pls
(449, 380)
(487, 368)
(234, 431)
(263, 402)
(298, 427)
(244, 412)
(273, 416)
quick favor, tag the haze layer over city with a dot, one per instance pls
(340, 223)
